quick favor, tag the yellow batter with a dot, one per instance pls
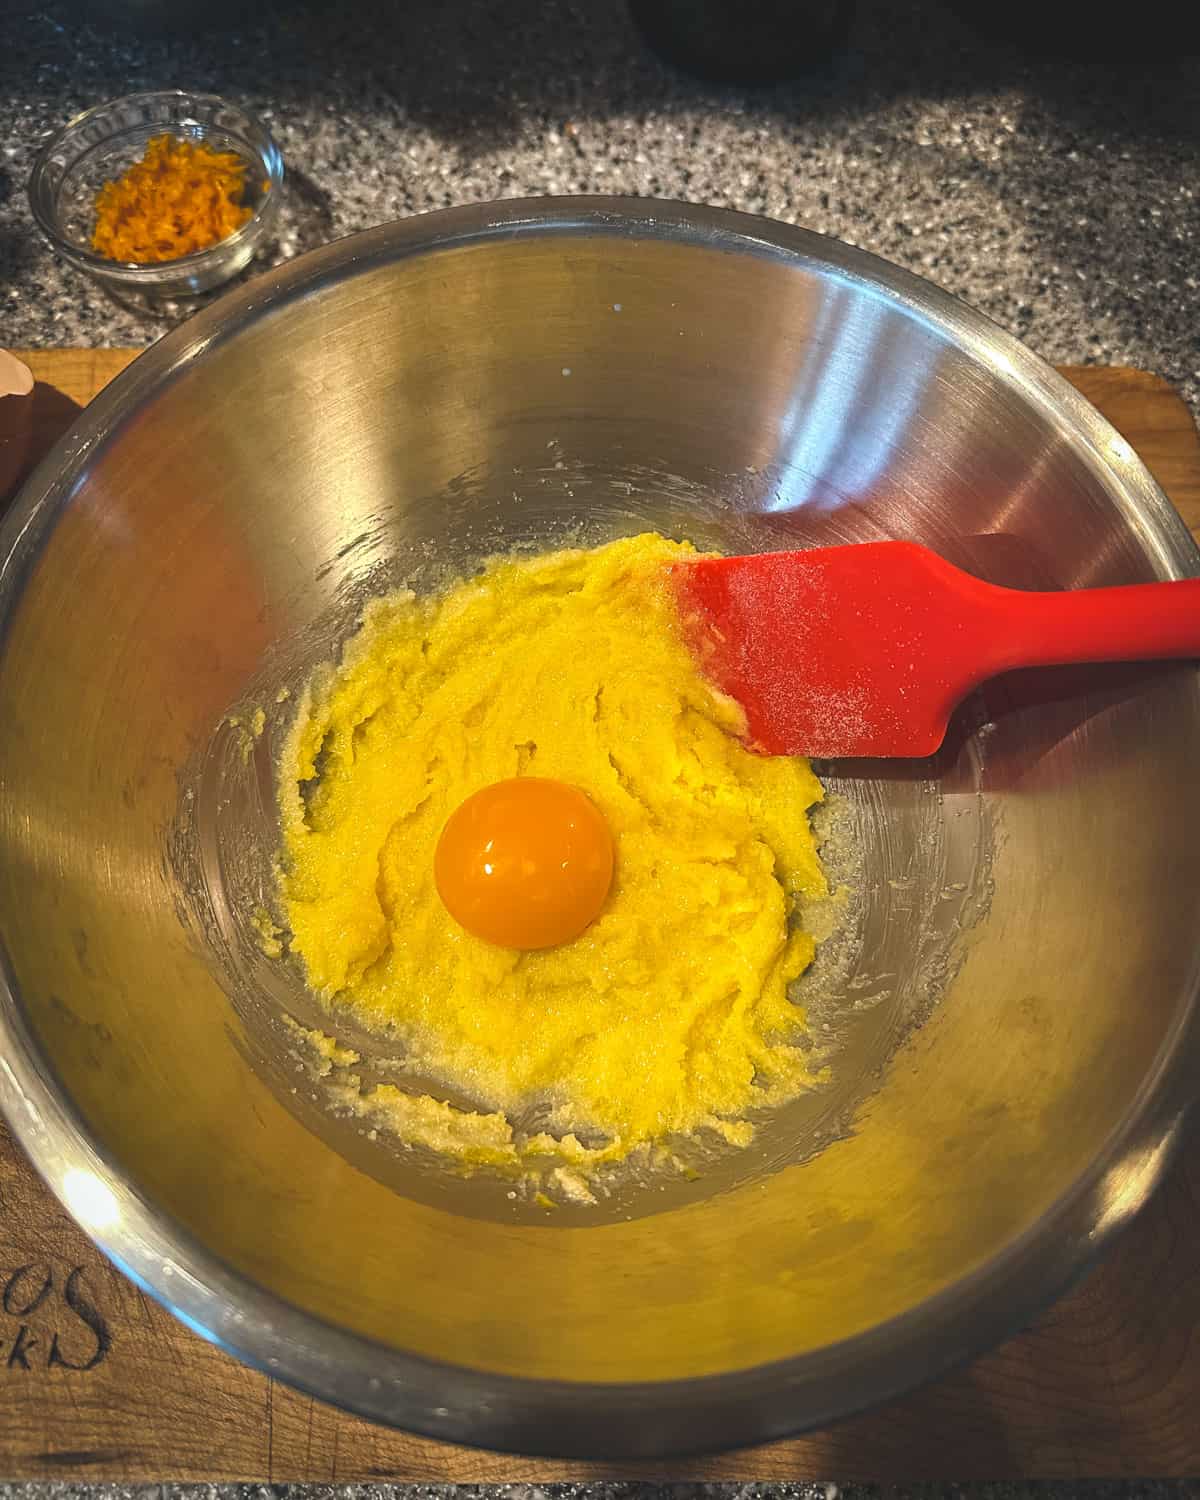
(671, 1013)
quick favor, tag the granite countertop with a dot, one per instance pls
(1060, 199)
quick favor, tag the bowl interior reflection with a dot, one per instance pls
(1018, 957)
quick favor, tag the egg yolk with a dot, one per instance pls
(525, 863)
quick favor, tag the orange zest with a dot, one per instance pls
(182, 196)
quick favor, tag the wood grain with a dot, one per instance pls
(1148, 412)
(79, 374)
(99, 1382)
(66, 380)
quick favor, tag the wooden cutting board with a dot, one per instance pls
(98, 1382)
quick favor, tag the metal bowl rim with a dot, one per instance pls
(583, 1419)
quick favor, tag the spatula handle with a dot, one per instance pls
(1138, 622)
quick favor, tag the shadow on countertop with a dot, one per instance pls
(475, 69)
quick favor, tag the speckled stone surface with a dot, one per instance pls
(1063, 200)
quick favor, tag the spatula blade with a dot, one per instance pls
(838, 651)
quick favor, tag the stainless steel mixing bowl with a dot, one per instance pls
(1009, 1001)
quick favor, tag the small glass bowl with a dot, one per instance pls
(102, 143)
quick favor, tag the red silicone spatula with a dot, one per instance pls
(865, 650)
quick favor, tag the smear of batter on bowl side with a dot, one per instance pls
(671, 1013)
